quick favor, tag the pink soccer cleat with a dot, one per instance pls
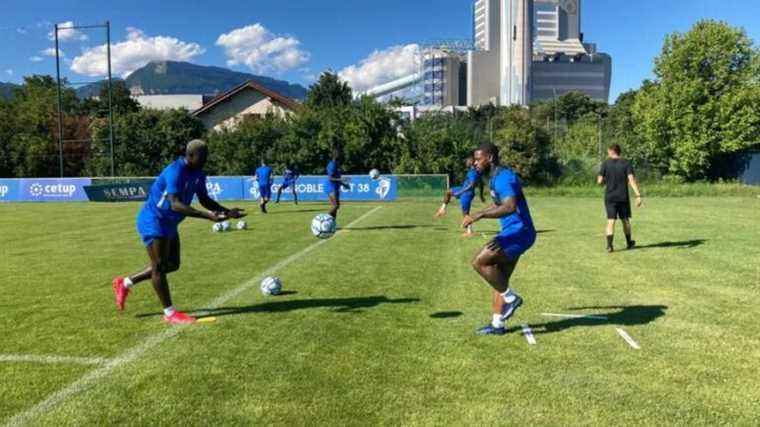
(179, 318)
(120, 292)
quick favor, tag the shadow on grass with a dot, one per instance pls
(339, 305)
(446, 314)
(682, 245)
(276, 212)
(627, 315)
(392, 227)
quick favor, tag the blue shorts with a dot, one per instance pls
(265, 191)
(151, 228)
(286, 184)
(514, 243)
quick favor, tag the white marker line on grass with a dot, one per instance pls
(575, 316)
(528, 334)
(35, 358)
(91, 378)
(628, 338)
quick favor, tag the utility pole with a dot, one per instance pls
(60, 104)
(110, 97)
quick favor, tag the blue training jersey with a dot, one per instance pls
(333, 171)
(177, 179)
(264, 175)
(473, 176)
(290, 175)
(505, 184)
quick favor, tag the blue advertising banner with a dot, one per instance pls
(313, 188)
(309, 188)
(225, 187)
(53, 189)
(9, 189)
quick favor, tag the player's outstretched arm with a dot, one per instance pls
(507, 207)
(464, 189)
(214, 206)
(179, 207)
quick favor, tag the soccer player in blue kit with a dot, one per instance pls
(264, 179)
(289, 177)
(167, 206)
(498, 258)
(334, 183)
(465, 193)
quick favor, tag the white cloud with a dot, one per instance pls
(381, 67)
(261, 50)
(133, 53)
(9, 72)
(36, 58)
(22, 30)
(67, 34)
(51, 52)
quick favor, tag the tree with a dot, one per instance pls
(329, 92)
(704, 102)
(121, 101)
(31, 140)
(437, 143)
(145, 142)
(239, 151)
(523, 146)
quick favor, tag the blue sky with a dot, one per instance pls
(297, 39)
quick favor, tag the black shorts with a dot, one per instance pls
(617, 210)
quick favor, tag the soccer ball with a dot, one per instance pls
(242, 225)
(271, 286)
(226, 226)
(217, 227)
(374, 174)
(323, 226)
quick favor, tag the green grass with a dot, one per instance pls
(379, 327)
(655, 189)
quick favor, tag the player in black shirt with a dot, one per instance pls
(616, 173)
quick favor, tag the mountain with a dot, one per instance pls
(6, 90)
(174, 78)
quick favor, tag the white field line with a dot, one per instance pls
(575, 316)
(528, 334)
(93, 377)
(37, 358)
(628, 338)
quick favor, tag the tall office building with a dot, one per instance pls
(532, 50)
(516, 51)
(562, 62)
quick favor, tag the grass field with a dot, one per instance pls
(376, 326)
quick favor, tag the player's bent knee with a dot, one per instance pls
(161, 267)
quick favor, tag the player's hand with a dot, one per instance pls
(467, 221)
(638, 201)
(236, 213)
(216, 216)
(440, 212)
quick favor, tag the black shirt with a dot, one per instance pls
(615, 173)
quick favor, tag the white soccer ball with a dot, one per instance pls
(271, 286)
(217, 227)
(226, 226)
(323, 226)
(374, 174)
(242, 225)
